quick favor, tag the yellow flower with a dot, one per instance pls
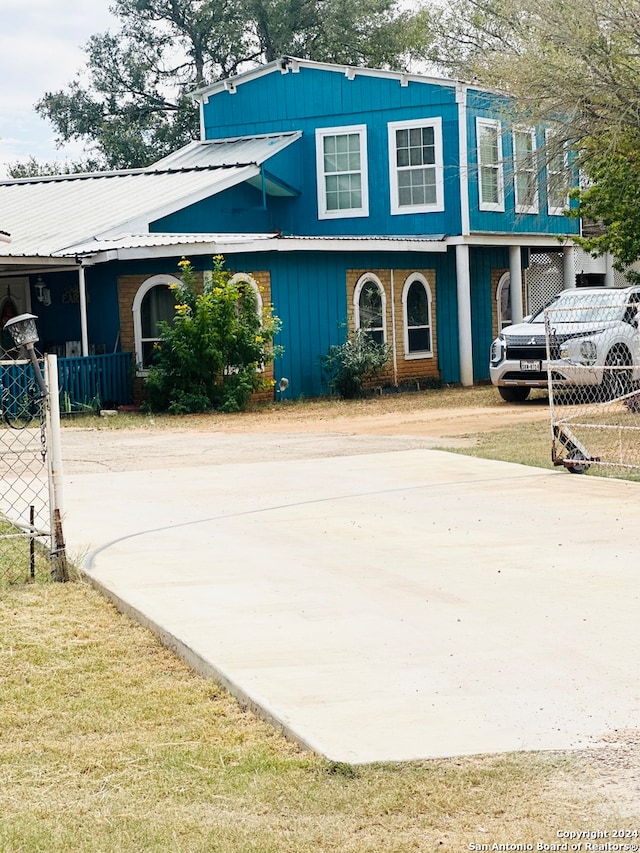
(259, 339)
(184, 263)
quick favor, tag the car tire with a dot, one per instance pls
(514, 395)
(616, 383)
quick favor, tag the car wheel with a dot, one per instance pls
(514, 395)
(617, 382)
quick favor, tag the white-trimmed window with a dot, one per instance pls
(525, 173)
(415, 166)
(369, 307)
(341, 162)
(416, 306)
(490, 170)
(154, 302)
(557, 176)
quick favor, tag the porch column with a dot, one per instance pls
(569, 267)
(465, 346)
(515, 286)
(82, 287)
(609, 272)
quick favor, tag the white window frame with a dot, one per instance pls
(394, 169)
(362, 281)
(554, 210)
(145, 287)
(352, 212)
(495, 125)
(416, 277)
(247, 279)
(529, 169)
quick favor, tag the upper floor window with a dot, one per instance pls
(525, 171)
(415, 166)
(369, 307)
(557, 177)
(341, 160)
(416, 301)
(154, 302)
(490, 175)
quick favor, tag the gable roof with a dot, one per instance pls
(50, 216)
(287, 64)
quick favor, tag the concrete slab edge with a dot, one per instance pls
(204, 668)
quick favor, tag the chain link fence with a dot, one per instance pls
(593, 359)
(31, 544)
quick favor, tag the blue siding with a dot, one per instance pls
(309, 295)
(484, 105)
(482, 262)
(315, 98)
(60, 322)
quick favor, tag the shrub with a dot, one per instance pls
(349, 367)
(212, 355)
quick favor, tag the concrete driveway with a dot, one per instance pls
(387, 604)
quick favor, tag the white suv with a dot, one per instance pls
(594, 340)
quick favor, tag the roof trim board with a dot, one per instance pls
(290, 64)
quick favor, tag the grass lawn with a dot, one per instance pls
(109, 743)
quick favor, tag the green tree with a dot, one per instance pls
(575, 66)
(214, 352)
(33, 168)
(134, 106)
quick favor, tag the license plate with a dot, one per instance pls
(527, 365)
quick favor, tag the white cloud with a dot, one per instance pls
(40, 50)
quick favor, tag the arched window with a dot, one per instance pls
(416, 304)
(503, 301)
(247, 279)
(369, 307)
(153, 303)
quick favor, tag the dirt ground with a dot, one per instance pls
(292, 431)
(323, 428)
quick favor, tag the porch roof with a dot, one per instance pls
(51, 216)
(133, 246)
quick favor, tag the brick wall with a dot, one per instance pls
(401, 370)
(128, 286)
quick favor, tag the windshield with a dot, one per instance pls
(583, 308)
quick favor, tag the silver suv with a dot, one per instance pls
(594, 340)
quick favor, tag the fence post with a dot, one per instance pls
(60, 569)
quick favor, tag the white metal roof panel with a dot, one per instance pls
(51, 215)
(227, 152)
(48, 216)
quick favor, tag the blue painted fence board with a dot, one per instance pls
(103, 380)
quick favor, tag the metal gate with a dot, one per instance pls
(31, 541)
(593, 359)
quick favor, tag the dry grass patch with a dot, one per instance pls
(109, 743)
(317, 409)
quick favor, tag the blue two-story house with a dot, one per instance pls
(405, 205)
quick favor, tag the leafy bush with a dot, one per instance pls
(213, 353)
(350, 366)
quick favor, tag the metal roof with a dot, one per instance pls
(226, 152)
(133, 246)
(50, 216)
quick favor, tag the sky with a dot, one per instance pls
(41, 45)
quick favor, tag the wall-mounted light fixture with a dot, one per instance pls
(43, 294)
